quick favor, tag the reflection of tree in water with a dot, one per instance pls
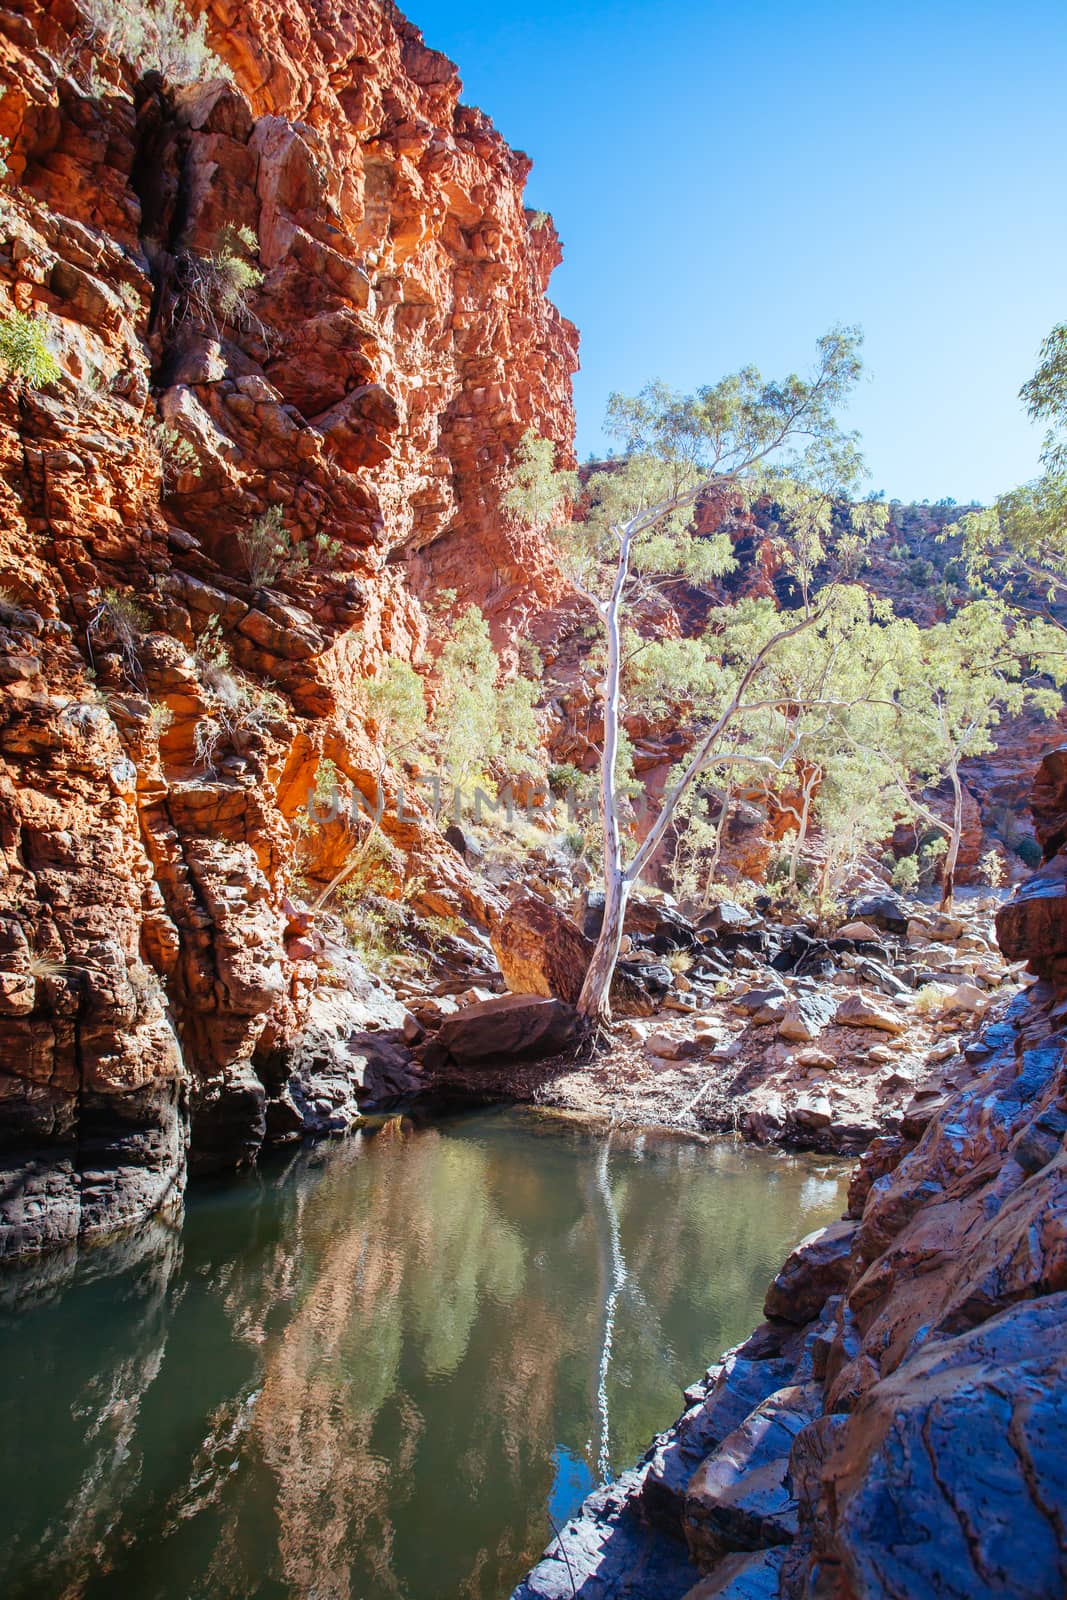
(370, 1360)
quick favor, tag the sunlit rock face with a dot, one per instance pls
(397, 348)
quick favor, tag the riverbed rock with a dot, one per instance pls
(746, 1576)
(859, 1012)
(609, 1552)
(881, 909)
(859, 933)
(807, 1015)
(510, 1027)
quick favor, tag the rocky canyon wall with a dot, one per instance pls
(163, 715)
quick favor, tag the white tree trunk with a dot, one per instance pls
(948, 877)
(594, 1002)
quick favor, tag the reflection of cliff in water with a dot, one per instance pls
(360, 1373)
(75, 1402)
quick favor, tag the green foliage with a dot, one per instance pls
(396, 704)
(25, 351)
(269, 553)
(537, 491)
(155, 36)
(481, 724)
(1025, 532)
(1045, 395)
(170, 453)
(906, 873)
(211, 648)
(536, 220)
(265, 545)
(5, 151)
(1029, 852)
(327, 780)
(565, 778)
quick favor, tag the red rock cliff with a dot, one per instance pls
(398, 345)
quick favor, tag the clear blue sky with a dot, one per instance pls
(730, 179)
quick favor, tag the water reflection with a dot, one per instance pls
(372, 1371)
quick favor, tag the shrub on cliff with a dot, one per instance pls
(158, 36)
(25, 352)
(218, 288)
(265, 545)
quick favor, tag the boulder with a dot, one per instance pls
(727, 916)
(813, 1111)
(646, 919)
(738, 1386)
(858, 932)
(807, 1015)
(668, 1049)
(859, 1012)
(752, 1001)
(463, 840)
(740, 1499)
(540, 950)
(882, 909)
(510, 1027)
(816, 1269)
(966, 997)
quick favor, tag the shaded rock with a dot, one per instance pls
(882, 909)
(727, 916)
(740, 1498)
(510, 1027)
(816, 1269)
(650, 919)
(738, 1387)
(611, 1553)
(752, 1576)
(463, 840)
(949, 1478)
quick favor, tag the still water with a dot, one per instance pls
(375, 1370)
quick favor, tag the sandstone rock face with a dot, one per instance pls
(163, 715)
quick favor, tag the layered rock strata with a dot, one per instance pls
(166, 705)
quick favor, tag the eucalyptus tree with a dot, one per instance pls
(955, 682)
(1025, 531)
(745, 437)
